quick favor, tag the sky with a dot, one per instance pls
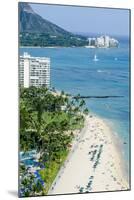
(86, 19)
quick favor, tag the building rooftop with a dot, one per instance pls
(26, 55)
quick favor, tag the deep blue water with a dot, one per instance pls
(73, 70)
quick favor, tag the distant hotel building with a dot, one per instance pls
(34, 71)
(103, 42)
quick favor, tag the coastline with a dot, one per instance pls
(95, 162)
(50, 47)
(56, 47)
(40, 47)
(119, 145)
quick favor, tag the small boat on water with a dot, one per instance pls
(95, 58)
(115, 59)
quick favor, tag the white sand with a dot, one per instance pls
(79, 172)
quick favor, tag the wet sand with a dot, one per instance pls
(94, 163)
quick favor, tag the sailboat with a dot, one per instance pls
(95, 58)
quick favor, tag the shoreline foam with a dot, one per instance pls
(94, 163)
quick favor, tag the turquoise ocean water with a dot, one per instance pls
(75, 71)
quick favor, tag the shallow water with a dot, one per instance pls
(75, 71)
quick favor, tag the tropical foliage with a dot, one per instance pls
(45, 39)
(47, 121)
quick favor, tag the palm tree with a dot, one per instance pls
(82, 103)
(77, 98)
(86, 111)
(43, 124)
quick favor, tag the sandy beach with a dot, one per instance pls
(94, 163)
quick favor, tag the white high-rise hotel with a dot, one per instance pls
(103, 42)
(34, 71)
